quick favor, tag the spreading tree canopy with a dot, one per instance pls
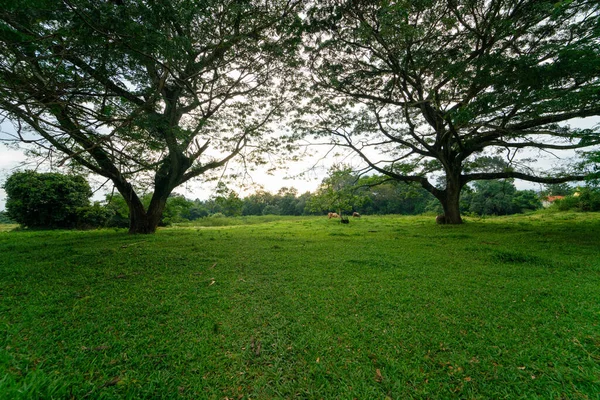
(417, 88)
(146, 90)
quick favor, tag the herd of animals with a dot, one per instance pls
(440, 219)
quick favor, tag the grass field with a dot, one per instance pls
(385, 307)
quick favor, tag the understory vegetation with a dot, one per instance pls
(283, 307)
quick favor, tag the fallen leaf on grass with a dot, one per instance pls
(468, 379)
(378, 376)
(255, 346)
(520, 367)
(113, 381)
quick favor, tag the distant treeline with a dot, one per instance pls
(60, 201)
(484, 198)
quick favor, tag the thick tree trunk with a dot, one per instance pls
(452, 210)
(142, 222)
(450, 199)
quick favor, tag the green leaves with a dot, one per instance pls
(430, 86)
(175, 89)
(45, 200)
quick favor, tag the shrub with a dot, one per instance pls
(94, 216)
(586, 199)
(46, 200)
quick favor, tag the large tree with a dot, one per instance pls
(146, 90)
(419, 88)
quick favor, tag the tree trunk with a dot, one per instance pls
(450, 199)
(142, 222)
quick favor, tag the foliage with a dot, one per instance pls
(45, 200)
(526, 200)
(226, 202)
(558, 189)
(285, 202)
(586, 199)
(5, 219)
(271, 210)
(94, 216)
(417, 87)
(393, 197)
(147, 94)
(499, 198)
(338, 192)
(119, 211)
(305, 308)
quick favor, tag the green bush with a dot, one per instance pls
(586, 199)
(46, 200)
(94, 216)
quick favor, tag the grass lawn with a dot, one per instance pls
(385, 307)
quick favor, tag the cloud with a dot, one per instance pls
(10, 158)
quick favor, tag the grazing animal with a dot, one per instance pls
(441, 219)
(333, 215)
(344, 220)
(355, 214)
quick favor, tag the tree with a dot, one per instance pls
(287, 201)
(419, 88)
(338, 192)
(558, 189)
(227, 201)
(45, 200)
(526, 200)
(493, 198)
(177, 209)
(255, 203)
(146, 93)
(393, 197)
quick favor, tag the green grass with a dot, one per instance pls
(385, 307)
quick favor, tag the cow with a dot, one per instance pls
(355, 214)
(333, 215)
(441, 219)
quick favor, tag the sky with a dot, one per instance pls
(10, 160)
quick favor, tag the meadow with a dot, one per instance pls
(385, 307)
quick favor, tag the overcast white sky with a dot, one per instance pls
(11, 158)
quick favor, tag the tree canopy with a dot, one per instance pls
(156, 92)
(419, 88)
